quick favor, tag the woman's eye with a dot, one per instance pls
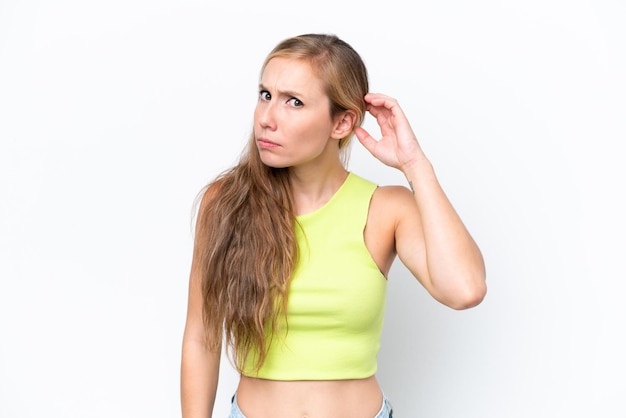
(265, 95)
(295, 102)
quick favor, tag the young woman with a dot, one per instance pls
(292, 251)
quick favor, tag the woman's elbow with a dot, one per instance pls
(467, 295)
(472, 297)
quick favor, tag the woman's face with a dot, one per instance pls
(292, 122)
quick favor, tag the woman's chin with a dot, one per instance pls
(274, 162)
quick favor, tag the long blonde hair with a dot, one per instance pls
(245, 240)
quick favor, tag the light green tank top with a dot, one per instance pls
(337, 296)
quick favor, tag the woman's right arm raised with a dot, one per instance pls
(200, 363)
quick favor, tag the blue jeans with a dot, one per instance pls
(385, 410)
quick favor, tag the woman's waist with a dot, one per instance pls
(310, 398)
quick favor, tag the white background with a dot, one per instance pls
(113, 115)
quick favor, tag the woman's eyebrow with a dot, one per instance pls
(289, 93)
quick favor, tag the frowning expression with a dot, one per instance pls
(292, 121)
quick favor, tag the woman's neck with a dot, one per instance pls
(314, 188)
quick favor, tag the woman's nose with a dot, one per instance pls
(265, 115)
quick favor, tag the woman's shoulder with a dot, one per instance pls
(393, 193)
(211, 192)
(392, 200)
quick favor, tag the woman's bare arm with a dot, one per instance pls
(430, 238)
(200, 360)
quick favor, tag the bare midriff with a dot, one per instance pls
(262, 398)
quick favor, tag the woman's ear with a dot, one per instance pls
(344, 124)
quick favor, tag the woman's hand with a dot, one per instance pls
(398, 146)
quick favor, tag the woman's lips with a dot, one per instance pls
(266, 143)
